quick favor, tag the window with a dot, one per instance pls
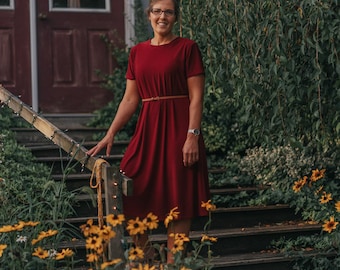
(6, 4)
(80, 5)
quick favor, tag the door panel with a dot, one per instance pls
(15, 68)
(70, 51)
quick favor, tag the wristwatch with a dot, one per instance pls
(194, 131)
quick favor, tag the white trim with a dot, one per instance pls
(10, 7)
(34, 57)
(107, 8)
(129, 22)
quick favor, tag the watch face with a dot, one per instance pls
(196, 132)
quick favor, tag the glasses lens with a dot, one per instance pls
(169, 12)
(156, 11)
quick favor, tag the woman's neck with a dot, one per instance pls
(160, 40)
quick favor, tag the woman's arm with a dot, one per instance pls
(196, 93)
(126, 109)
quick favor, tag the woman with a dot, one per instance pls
(166, 156)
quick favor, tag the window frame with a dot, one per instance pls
(97, 10)
(9, 7)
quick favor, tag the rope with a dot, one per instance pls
(97, 173)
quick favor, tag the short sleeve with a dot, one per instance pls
(130, 73)
(194, 63)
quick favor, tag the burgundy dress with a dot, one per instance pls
(154, 158)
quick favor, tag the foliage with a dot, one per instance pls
(308, 182)
(317, 197)
(27, 193)
(272, 71)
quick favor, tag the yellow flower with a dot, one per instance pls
(337, 206)
(106, 233)
(43, 235)
(177, 247)
(18, 227)
(151, 221)
(64, 253)
(299, 184)
(41, 253)
(145, 267)
(7, 228)
(31, 223)
(89, 229)
(92, 257)
(325, 198)
(136, 253)
(135, 226)
(208, 206)
(2, 248)
(115, 220)
(206, 238)
(180, 238)
(317, 175)
(93, 242)
(330, 225)
(171, 216)
(106, 264)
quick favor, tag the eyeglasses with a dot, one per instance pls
(167, 12)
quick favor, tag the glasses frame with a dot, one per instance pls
(158, 12)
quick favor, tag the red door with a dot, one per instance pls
(15, 67)
(71, 50)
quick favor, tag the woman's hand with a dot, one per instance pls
(190, 150)
(107, 142)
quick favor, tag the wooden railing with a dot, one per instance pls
(115, 184)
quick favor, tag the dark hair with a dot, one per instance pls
(152, 2)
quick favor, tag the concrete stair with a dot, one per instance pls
(244, 233)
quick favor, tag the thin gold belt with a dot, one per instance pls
(164, 97)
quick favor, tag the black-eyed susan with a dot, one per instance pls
(115, 220)
(180, 238)
(92, 257)
(207, 238)
(32, 223)
(106, 233)
(337, 206)
(298, 185)
(136, 226)
(2, 248)
(325, 198)
(7, 228)
(317, 174)
(64, 253)
(208, 206)
(110, 263)
(151, 221)
(42, 235)
(40, 253)
(174, 214)
(89, 228)
(136, 253)
(144, 267)
(93, 242)
(330, 225)
(177, 247)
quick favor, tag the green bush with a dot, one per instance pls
(28, 194)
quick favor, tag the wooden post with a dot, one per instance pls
(114, 205)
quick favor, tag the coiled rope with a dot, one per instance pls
(97, 174)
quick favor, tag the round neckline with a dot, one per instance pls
(162, 45)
